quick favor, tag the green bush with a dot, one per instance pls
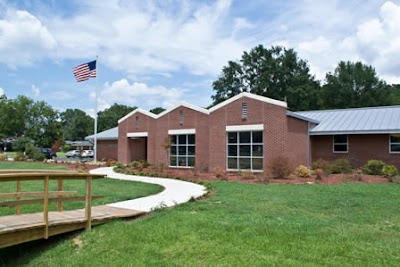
(22, 143)
(20, 157)
(66, 148)
(389, 171)
(341, 165)
(374, 167)
(321, 164)
(3, 157)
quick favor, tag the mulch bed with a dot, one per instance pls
(245, 177)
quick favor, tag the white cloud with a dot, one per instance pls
(137, 94)
(2, 92)
(24, 39)
(35, 91)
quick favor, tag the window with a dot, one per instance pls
(394, 144)
(244, 111)
(182, 150)
(181, 117)
(340, 144)
(137, 122)
(245, 150)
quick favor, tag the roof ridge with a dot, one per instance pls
(343, 109)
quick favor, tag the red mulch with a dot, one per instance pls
(189, 175)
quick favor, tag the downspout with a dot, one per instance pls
(308, 145)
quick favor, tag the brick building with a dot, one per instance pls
(247, 131)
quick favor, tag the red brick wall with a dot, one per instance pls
(273, 118)
(361, 149)
(296, 144)
(107, 149)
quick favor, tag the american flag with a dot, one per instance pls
(85, 71)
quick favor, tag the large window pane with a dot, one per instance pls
(257, 137)
(395, 148)
(173, 150)
(232, 150)
(172, 161)
(244, 163)
(173, 139)
(191, 150)
(257, 150)
(244, 137)
(182, 161)
(182, 150)
(191, 139)
(257, 163)
(191, 161)
(232, 138)
(340, 138)
(182, 139)
(244, 150)
(232, 163)
(340, 148)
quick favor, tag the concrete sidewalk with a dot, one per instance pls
(176, 191)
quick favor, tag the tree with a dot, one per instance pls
(109, 117)
(157, 110)
(24, 117)
(76, 124)
(354, 85)
(277, 73)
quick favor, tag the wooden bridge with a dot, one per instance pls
(20, 228)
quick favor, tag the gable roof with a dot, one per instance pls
(249, 95)
(371, 120)
(186, 105)
(110, 134)
(138, 110)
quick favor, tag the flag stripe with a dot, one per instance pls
(85, 71)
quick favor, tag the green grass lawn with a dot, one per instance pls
(29, 166)
(242, 225)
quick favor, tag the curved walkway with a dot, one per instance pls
(176, 192)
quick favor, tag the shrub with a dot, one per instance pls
(279, 167)
(389, 171)
(341, 165)
(220, 173)
(321, 164)
(263, 178)
(247, 175)
(22, 144)
(66, 148)
(374, 167)
(110, 163)
(302, 171)
(158, 167)
(3, 157)
(319, 173)
(20, 157)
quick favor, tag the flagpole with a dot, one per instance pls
(95, 110)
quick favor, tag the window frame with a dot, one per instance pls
(334, 143)
(238, 145)
(177, 155)
(393, 143)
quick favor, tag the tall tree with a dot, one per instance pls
(277, 73)
(76, 124)
(354, 85)
(157, 110)
(24, 117)
(109, 117)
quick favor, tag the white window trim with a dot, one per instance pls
(333, 144)
(245, 128)
(138, 134)
(177, 149)
(390, 146)
(251, 152)
(181, 131)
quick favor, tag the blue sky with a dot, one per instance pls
(159, 53)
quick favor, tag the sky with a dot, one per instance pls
(161, 53)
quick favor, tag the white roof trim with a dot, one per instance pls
(249, 95)
(186, 105)
(144, 112)
(138, 134)
(182, 131)
(242, 128)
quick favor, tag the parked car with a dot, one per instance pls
(48, 153)
(73, 154)
(87, 153)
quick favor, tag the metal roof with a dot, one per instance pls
(110, 134)
(371, 120)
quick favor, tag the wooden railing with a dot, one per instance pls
(46, 196)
